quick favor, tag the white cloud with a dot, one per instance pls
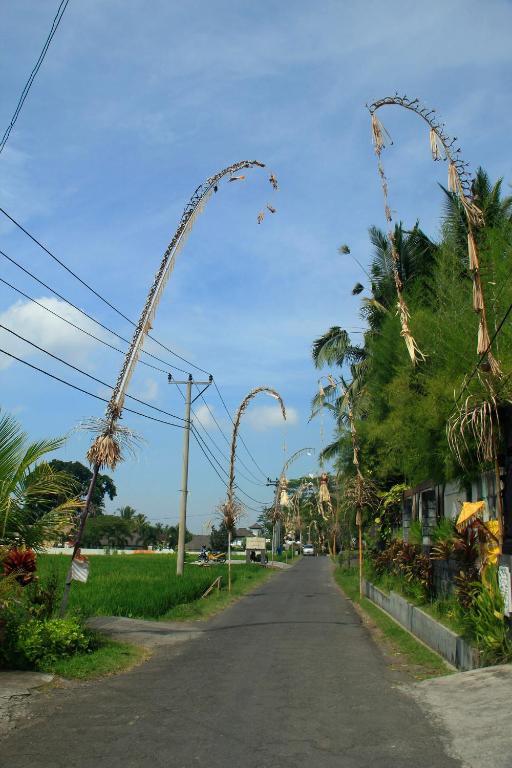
(204, 416)
(47, 331)
(263, 417)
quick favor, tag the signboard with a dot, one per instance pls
(505, 588)
(255, 542)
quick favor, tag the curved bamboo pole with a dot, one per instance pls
(231, 509)
(280, 486)
(106, 449)
(459, 182)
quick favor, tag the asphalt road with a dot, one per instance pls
(286, 677)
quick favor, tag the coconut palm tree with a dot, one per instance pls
(29, 487)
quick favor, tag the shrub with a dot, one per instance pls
(483, 620)
(42, 641)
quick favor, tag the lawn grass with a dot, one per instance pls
(141, 586)
(424, 662)
(108, 658)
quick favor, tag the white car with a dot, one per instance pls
(308, 549)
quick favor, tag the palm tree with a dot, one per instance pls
(127, 512)
(29, 487)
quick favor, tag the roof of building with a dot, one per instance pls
(196, 542)
(243, 533)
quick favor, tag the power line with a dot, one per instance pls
(99, 295)
(84, 391)
(74, 325)
(212, 454)
(252, 509)
(239, 435)
(254, 481)
(121, 314)
(83, 312)
(257, 501)
(84, 373)
(55, 24)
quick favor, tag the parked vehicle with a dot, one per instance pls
(308, 549)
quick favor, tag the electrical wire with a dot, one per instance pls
(254, 481)
(239, 435)
(196, 417)
(198, 436)
(77, 327)
(82, 312)
(84, 373)
(121, 314)
(99, 295)
(221, 452)
(252, 509)
(55, 24)
(85, 391)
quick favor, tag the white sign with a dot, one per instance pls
(255, 542)
(505, 588)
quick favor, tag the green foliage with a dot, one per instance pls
(136, 586)
(401, 425)
(219, 538)
(415, 533)
(82, 475)
(36, 501)
(42, 641)
(484, 622)
(406, 562)
(105, 657)
(444, 531)
(390, 511)
(107, 530)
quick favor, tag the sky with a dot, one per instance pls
(135, 105)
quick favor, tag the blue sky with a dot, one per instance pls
(134, 106)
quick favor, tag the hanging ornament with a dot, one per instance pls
(324, 494)
(284, 500)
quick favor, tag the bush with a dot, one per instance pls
(484, 622)
(406, 562)
(41, 642)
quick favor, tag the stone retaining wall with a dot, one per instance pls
(452, 647)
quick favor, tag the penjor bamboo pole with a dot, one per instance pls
(230, 511)
(105, 449)
(78, 540)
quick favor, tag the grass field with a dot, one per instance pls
(142, 586)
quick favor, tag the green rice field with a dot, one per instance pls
(141, 586)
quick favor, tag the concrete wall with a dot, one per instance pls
(452, 647)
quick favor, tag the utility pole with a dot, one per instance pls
(182, 528)
(276, 524)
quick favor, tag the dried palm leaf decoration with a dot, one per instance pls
(474, 426)
(107, 447)
(379, 137)
(444, 148)
(230, 503)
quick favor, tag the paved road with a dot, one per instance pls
(287, 677)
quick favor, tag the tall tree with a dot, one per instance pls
(104, 487)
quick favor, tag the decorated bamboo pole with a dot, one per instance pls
(361, 491)
(231, 508)
(107, 448)
(444, 148)
(281, 499)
